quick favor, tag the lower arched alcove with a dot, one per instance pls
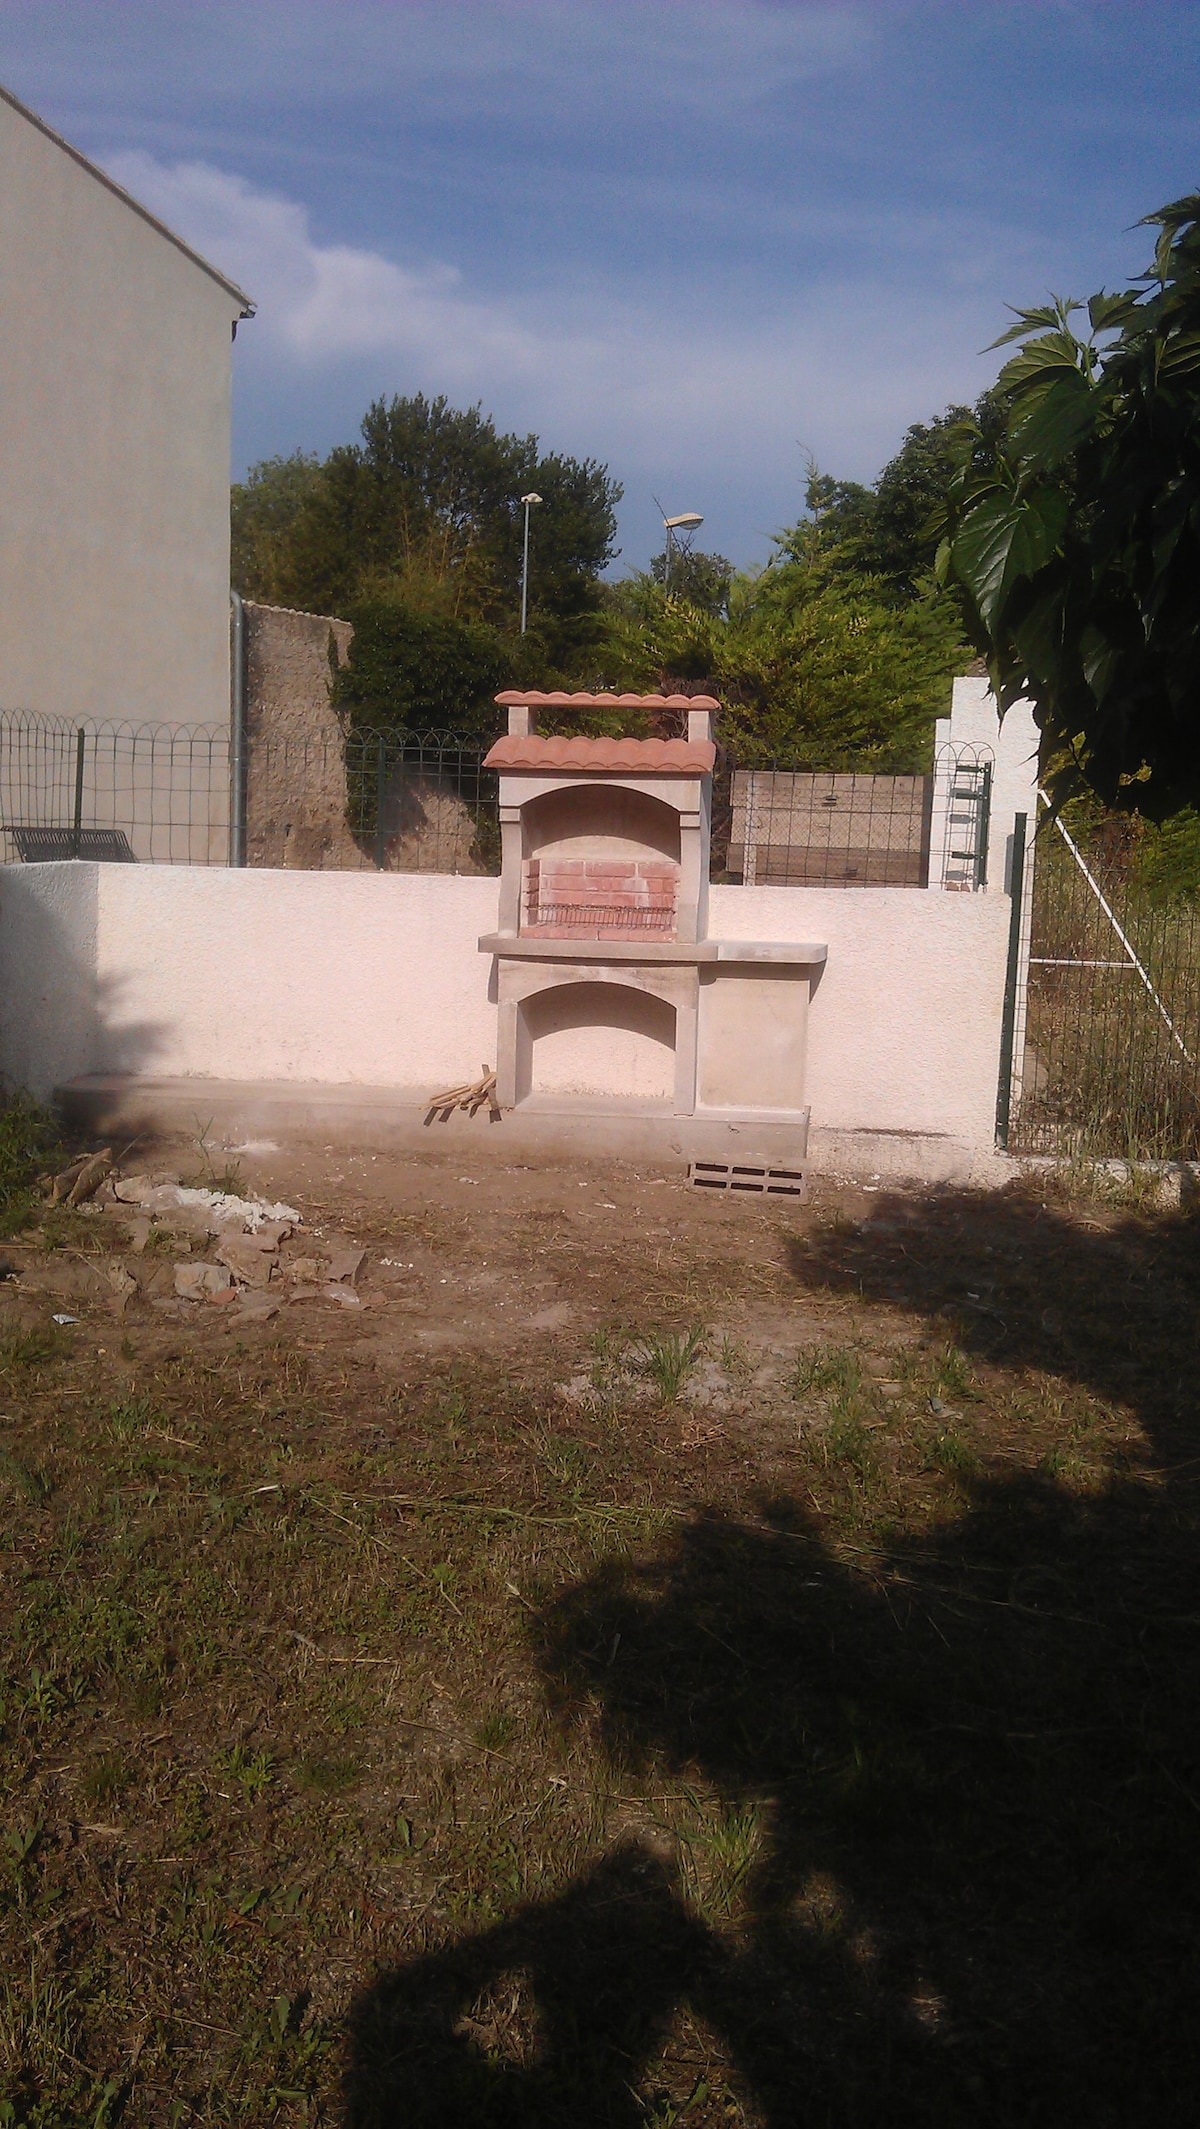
(605, 1039)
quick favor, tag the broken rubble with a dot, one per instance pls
(218, 1206)
(248, 1259)
(203, 1282)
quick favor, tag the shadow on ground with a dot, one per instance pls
(976, 1762)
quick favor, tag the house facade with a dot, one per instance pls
(115, 371)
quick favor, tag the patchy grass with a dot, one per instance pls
(29, 1141)
(399, 1744)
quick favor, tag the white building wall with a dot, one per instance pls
(376, 980)
(114, 449)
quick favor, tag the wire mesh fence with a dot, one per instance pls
(1109, 1055)
(790, 827)
(122, 792)
(403, 801)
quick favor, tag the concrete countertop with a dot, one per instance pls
(517, 946)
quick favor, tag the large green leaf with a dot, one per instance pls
(1050, 351)
(1002, 540)
(1107, 313)
(1028, 320)
(1045, 430)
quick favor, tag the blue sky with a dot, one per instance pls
(698, 239)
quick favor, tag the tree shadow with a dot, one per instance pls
(974, 1759)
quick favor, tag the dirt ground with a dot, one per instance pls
(554, 1646)
(458, 1254)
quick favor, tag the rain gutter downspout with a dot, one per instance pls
(237, 731)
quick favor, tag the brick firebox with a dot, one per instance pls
(599, 898)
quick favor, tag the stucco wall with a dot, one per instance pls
(904, 1025)
(114, 451)
(375, 979)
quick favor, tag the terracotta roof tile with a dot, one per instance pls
(521, 697)
(606, 757)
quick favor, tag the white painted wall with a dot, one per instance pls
(1013, 744)
(904, 1024)
(375, 979)
(114, 449)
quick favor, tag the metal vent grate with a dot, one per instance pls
(760, 1182)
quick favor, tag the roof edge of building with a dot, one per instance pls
(110, 184)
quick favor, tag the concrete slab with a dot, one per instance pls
(392, 1119)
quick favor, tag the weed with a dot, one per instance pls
(721, 1851)
(127, 1416)
(19, 1849)
(953, 1374)
(667, 1358)
(821, 1368)
(29, 1142)
(327, 1776)
(734, 1358)
(947, 1451)
(105, 1779)
(252, 1771)
(495, 1731)
(847, 1439)
(33, 1348)
(32, 1483)
(208, 1177)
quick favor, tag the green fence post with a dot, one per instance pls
(77, 818)
(380, 796)
(1008, 1023)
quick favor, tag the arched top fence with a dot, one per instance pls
(395, 799)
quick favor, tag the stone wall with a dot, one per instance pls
(295, 772)
(300, 812)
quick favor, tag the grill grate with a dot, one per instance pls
(760, 1182)
(609, 916)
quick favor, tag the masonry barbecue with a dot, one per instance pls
(611, 994)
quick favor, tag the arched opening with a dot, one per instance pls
(600, 1039)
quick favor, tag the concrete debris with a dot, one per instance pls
(248, 1258)
(345, 1295)
(122, 1282)
(219, 1207)
(82, 1179)
(346, 1264)
(257, 1308)
(204, 1282)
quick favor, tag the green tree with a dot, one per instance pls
(1074, 535)
(889, 531)
(702, 579)
(815, 669)
(421, 672)
(265, 509)
(425, 511)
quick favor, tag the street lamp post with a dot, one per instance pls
(687, 521)
(527, 502)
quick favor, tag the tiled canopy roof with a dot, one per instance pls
(517, 698)
(607, 757)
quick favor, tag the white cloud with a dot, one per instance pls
(659, 387)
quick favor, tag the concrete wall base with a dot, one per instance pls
(907, 1157)
(392, 1119)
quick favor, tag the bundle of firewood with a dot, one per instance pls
(472, 1098)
